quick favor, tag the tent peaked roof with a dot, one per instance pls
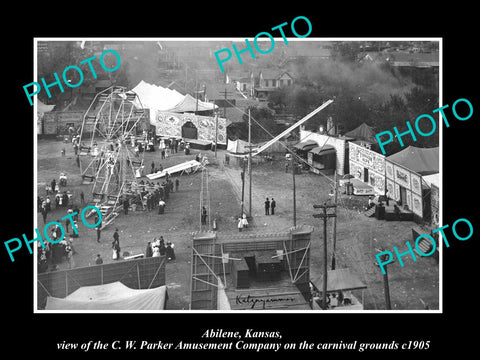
(43, 108)
(362, 132)
(189, 103)
(156, 97)
(424, 161)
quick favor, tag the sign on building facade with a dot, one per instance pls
(366, 162)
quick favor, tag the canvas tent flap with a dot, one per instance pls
(113, 296)
(237, 146)
(43, 108)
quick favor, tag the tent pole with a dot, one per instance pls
(138, 276)
(249, 164)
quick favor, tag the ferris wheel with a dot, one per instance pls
(110, 146)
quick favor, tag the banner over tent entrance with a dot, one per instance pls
(170, 125)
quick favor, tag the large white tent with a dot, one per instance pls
(113, 296)
(157, 98)
(41, 110)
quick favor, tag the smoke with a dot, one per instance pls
(373, 83)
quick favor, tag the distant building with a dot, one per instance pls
(270, 80)
(296, 52)
(413, 59)
(243, 81)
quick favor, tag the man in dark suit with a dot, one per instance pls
(267, 207)
(273, 204)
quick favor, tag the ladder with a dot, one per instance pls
(370, 212)
(205, 202)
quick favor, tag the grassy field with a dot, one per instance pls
(357, 235)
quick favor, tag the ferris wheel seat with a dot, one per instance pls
(98, 196)
(87, 179)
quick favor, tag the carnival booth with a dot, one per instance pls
(340, 284)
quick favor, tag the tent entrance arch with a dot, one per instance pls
(189, 130)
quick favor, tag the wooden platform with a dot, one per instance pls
(391, 214)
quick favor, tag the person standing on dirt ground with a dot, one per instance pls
(69, 256)
(82, 198)
(44, 214)
(273, 204)
(177, 184)
(204, 216)
(126, 204)
(116, 245)
(116, 237)
(267, 207)
(98, 260)
(99, 232)
(161, 206)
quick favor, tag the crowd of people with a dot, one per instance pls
(55, 251)
(158, 247)
(154, 194)
(61, 198)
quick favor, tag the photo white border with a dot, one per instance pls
(182, 312)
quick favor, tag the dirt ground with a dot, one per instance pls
(357, 236)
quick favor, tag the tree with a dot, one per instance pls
(346, 50)
(262, 122)
(60, 56)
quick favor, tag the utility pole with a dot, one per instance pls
(249, 164)
(216, 129)
(334, 230)
(325, 217)
(294, 164)
(243, 183)
(386, 287)
(225, 102)
(196, 97)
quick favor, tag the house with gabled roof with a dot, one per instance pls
(243, 81)
(270, 80)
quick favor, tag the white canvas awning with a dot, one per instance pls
(113, 296)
